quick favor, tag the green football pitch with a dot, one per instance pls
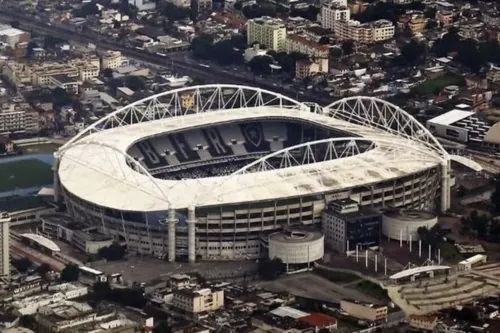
(24, 174)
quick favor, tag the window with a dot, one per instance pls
(453, 133)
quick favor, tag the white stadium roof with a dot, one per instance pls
(114, 192)
(94, 167)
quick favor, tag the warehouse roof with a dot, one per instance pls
(451, 117)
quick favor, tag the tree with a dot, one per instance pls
(87, 9)
(107, 73)
(261, 65)
(22, 265)
(202, 46)
(347, 47)
(43, 269)
(61, 97)
(412, 52)
(336, 52)
(311, 13)
(495, 196)
(126, 297)
(431, 24)
(29, 49)
(225, 54)
(271, 269)
(101, 288)
(50, 42)
(238, 5)
(467, 314)
(162, 327)
(174, 13)
(259, 10)
(286, 62)
(386, 11)
(15, 24)
(70, 273)
(113, 252)
(134, 83)
(430, 12)
(325, 40)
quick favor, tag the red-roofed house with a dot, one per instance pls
(319, 321)
(427, 323)
(297, 43)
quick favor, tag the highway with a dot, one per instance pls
(214, 74)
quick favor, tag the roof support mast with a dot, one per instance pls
(55, 167)
(445, 185)
(172, 221)
(191, 222)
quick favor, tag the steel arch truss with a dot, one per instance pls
(113, 163)
(191, 100)
(333, 157)
(381, 115)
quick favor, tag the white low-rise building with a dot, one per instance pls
(67, 291)
(196, 301)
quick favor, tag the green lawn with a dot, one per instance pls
(373, 290)
(434, 86)
(449, 252)
(24, 174)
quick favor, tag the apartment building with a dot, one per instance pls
(445, 17)
(196, 301)
(30, 305)
(309, 67)
(41, 74)
(414, 21)
(181, 3)
(143, 5)
(332, 12)
(111, 59)
(18, 118)
(201, 5)
(364, 311)
(68, 316)
(68, 83)
(268, 32)
(298, 43)
(366, 33)
(16, 73)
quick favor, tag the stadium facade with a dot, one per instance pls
(201, 172)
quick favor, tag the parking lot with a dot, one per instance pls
(313, 286)
(144, 269)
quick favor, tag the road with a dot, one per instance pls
(214, 74)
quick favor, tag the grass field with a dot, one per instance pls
(372, 290)
(434, 86)
(24, 174)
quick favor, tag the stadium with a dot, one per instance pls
(202, 172)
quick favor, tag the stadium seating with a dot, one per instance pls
(219, 150)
